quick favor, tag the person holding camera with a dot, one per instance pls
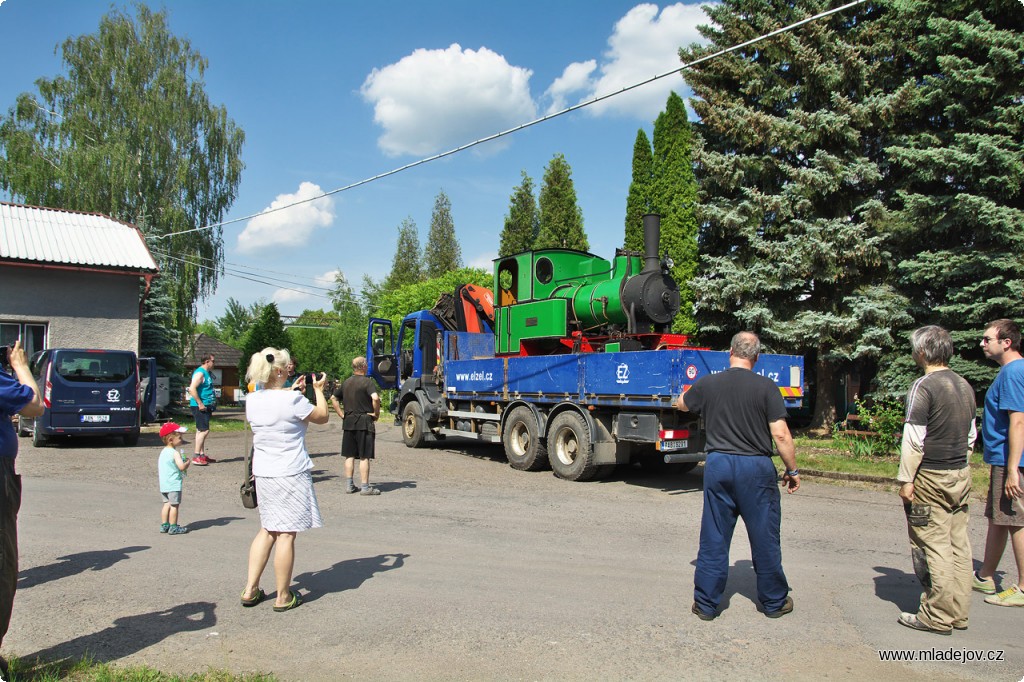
(19, 395)
(282, 468)
(361, 403)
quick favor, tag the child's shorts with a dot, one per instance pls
(173, 497)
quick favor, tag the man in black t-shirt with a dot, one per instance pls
(744, 414)
(935, 484)
(358, 395)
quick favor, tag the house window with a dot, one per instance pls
(32, 335)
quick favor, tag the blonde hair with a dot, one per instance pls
(263, 362)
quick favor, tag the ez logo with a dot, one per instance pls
(622, 374)
(113, 395)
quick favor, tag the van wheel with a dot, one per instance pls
(38, 439)
(569, 448)
(131, 439)
(412, 424)
(521, 438)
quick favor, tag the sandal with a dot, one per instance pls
(296, 600)
(255, 599)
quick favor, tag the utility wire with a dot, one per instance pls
(542, 119)
(257, 271)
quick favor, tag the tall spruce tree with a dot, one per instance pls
(522, 223)
(561, 220)
(674, 196)
(789, 170)
(956, 180)
(407, 265)
(129, 131)
(442, 252)
(638, 201)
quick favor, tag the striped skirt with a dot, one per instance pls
(288, 503)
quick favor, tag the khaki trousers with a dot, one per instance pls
(945, 546)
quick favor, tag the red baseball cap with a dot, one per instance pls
(171, 427)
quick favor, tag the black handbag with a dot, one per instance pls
(248, 488)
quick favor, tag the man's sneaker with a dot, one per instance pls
(175, 529)
(1011, 596)
(369, 490)
(352, 488)
(164, 527)
(200, 460)
(910, 620)
(787, 607)
(984, 585)
(696, 610)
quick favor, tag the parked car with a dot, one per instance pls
(87, 392)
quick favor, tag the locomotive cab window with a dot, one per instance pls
(508, 282)
(544, 270)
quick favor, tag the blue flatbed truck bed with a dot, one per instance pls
(579, 413)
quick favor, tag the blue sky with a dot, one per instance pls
(331, 92)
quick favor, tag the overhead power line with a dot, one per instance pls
(534, 122)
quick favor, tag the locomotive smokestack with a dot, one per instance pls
(652, 236)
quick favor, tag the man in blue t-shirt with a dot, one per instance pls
(744, 415)
(203, 401)
(1003, 435)
(19, 395)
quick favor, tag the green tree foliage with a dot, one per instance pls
(442, 252)
(350, 330)
(130, 132)
(267, 332)
(406, 266)
(561, 220)
(956, 171)
(789, 170)
(313, 338)
(522, 223)
(159, 339)
(638, 202)
(398, 303)
(236, 321)
(674, 196)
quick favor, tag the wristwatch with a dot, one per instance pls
(794, 472)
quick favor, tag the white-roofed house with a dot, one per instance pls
(71, 280)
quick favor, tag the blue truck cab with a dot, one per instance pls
(87, 392)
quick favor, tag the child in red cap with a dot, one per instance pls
(172, 467)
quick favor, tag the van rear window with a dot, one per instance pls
(95, 367)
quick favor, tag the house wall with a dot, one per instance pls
(82, 309)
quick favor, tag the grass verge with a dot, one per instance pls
(88, 670)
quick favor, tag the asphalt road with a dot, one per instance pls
(465, 569)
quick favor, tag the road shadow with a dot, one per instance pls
(126, 636)
(345, 575)
(202, 524)
(898, 587)
(660, 478)
(391, 486)
(742, 580)
(73, 564)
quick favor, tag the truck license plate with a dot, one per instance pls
(95, 417)
(668, 445)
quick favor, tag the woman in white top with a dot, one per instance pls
(282, 468)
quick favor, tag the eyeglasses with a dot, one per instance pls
(986, 339)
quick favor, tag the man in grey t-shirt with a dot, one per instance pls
(935, 484)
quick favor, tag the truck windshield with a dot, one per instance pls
(95, 367)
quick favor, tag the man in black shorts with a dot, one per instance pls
(361, 403)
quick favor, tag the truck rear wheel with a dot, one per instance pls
(521, 438)
(38, 439)
(569, 450)
(412, 424)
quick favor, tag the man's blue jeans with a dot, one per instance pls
(745, 487)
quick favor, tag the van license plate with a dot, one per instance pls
(667, 445)
(95, 417)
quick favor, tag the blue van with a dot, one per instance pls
(86, 393)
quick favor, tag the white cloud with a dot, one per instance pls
(435, 100)
(293, 294)
(484, 261)
(289, 227)
(643, 44)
